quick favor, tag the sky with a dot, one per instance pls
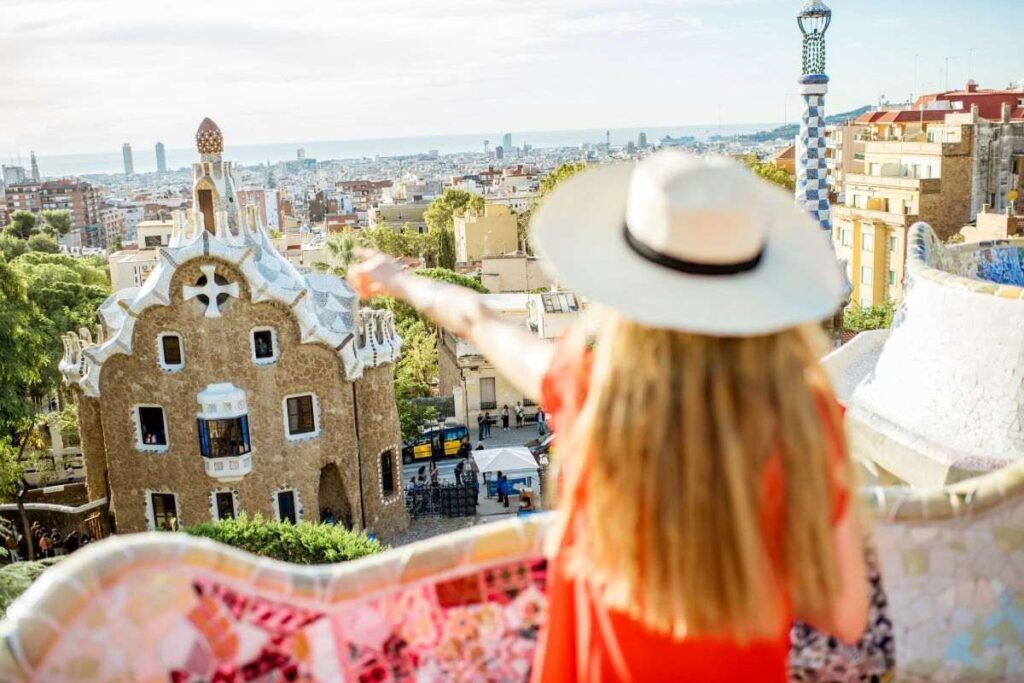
(78, 77)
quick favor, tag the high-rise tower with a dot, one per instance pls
(161, 158)
(35, 166)
(811, 180)
(129, 162)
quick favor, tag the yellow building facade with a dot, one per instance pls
(924, 176)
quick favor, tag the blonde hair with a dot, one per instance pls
(676, 430)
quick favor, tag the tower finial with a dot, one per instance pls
(813, 21)
(209, 139)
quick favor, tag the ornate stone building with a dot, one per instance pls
(230, 382)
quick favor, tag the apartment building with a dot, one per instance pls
(80, 199)
(493, 233)
(940, 162)
(470, 378)
(397, 215)
(131, 267)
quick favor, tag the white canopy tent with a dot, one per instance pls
(515, 463)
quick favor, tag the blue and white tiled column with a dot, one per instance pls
(811, 172)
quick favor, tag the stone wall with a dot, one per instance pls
(218, 350)
(90, 427)
(379, 430)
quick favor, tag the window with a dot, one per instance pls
(165, 511)
(171, 355)
(286, 511)
(387, 473)
(846, 237)
(224, 504)
(894, 243)
(152, 428)
(224, 438)
(488, 397)
(264, 346)
(300, 415)
(152, 241)
(892, 278)
(866, 273)
(867, 242)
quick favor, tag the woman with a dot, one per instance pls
(504, 418)
(705, 500)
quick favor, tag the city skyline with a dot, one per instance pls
(503, 66)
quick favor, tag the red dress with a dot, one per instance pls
(586, 642)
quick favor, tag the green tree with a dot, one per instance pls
(22, 225)
(116, 244)
(547, 184)
(416, 369)
(770, 172)
(440, 220)
(341, 252)
(43, 243)
(65, 293)
(12, 247)
(56, 222)
(857, 318)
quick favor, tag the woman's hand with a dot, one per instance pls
(376, 275)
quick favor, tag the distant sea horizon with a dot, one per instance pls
(323, 150)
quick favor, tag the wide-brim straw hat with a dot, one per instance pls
(698, 245)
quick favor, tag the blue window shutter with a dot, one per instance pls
(204, 438)
(245, 433)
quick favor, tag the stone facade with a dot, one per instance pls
(219, 281)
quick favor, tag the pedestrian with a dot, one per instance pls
(434, 474)
(504, 418)
(481, 431)
(45, 545)
(487, 425)
(11, 541)
(327, 517)
(421, 475)
(71, 542)
(458, 472)
(498, 487)
(705, 504)
(465, 448)
(519, 414)
(58, 542)
(542, 422)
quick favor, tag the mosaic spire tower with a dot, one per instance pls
(811, 180)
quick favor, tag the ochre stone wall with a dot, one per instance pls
(379, 430)
(90, 427)
(218, 350)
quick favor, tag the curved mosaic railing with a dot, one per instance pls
(948, 384)
(952, 560)
(465, 606)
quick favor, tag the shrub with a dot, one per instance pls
(301, 543)
(17, 577)
(859, 318)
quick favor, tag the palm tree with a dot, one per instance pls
(341, 251)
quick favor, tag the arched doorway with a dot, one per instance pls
(332, 496)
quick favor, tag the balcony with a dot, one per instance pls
(897, 146)
(924, 185)
(228, 469)
(853, 213)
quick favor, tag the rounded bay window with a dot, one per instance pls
(224, 431)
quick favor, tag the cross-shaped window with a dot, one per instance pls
(212, 290)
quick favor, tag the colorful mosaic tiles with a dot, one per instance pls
(166, 607)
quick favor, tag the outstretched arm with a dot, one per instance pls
(519, 356)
